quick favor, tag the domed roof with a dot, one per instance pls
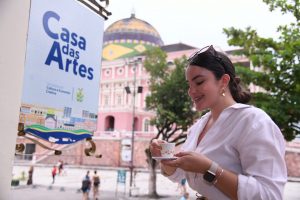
(129, 37)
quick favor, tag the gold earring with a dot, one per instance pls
(223, 93)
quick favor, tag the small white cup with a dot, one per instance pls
(167, 150)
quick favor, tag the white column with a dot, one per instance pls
(113, 72)
(14, 16)
(112, 94)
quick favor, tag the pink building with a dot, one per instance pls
(122, 66)
(124, 42)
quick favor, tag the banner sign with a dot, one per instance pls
(62, 69)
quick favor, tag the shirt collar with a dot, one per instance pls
(235, 106)
(238, 106)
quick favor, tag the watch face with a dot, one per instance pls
(209, 176)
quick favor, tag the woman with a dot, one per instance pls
(235, 151)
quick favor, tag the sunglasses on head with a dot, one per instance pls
(209, 50)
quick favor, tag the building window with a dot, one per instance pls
(29, 150)
(107, 72)
(119, 99)
(85, 114)
(25, 110)
(106, 100)
(120, 71)
(133, 98)
(146, 125)
(109, 123)
(93, 116)
(133, 68)
(67, 112)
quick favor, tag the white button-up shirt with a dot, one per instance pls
(246, 141)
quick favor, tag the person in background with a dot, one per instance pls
(86, 186)
(54, 172)
(30, 174)
(60, 167)
(235, 150)
(96, 185)
(185, 196)
(183, 188)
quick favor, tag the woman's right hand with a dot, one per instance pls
(155, 147)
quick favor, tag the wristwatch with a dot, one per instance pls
(210, 174)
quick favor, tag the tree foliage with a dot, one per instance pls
(169, 98)
(280, 74)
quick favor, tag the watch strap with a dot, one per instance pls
(210, 175)
(213, 167)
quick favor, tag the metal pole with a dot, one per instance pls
(133, 126)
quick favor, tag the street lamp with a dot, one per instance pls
(135, 91)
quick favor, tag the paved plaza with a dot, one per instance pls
(67, 186)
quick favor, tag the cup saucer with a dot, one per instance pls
(158, 158)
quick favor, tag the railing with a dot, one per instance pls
(124, 134)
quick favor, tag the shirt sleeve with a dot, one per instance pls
(264, 172)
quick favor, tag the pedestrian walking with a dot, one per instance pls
(182, 186)
(30, 174)
(96, 185)
(60, 167)
(185, 196)
(54, 171)
(86, 186)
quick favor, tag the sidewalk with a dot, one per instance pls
(67, 186)
(42, 192)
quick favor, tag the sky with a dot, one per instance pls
(200, 22)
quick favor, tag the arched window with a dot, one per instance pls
(109, 123)
(136, 121)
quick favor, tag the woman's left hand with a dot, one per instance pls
(190, 161)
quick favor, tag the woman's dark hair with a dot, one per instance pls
(219, 64)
